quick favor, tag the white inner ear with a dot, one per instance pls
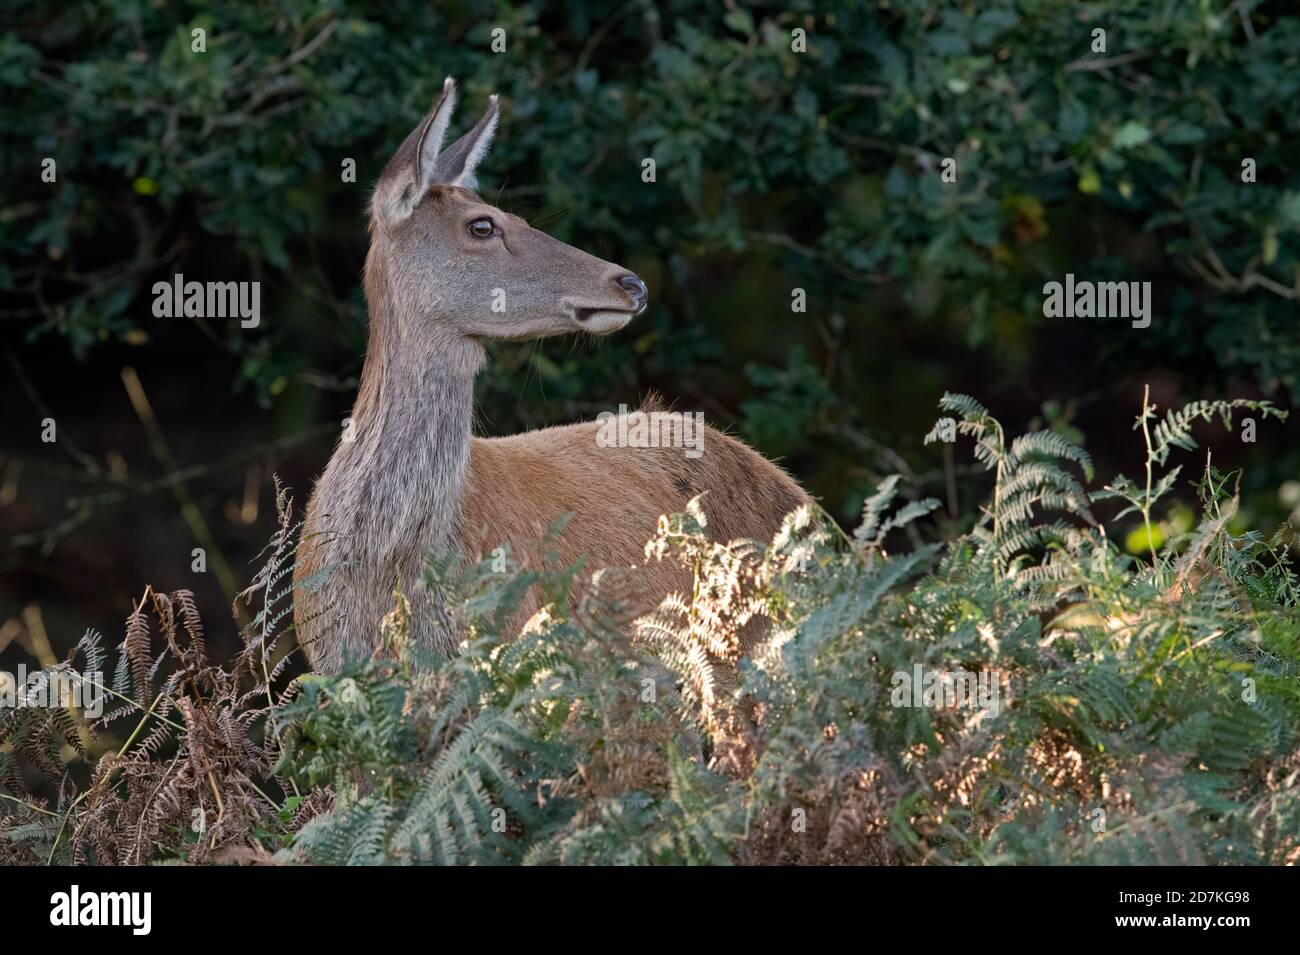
(430, 144)
(466, 178)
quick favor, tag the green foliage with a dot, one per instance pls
(777, 170)
(1125, 731)
(1075, 704)
(1123, 712)
(1174, 432)
(1029, 474)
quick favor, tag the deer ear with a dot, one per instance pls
(456, 164)
(432, 132)
(412, 169)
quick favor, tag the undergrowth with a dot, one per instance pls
(1077, 704)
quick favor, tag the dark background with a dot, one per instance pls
(775, 170)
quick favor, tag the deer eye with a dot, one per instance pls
(483, 228)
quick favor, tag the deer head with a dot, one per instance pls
(458, 267)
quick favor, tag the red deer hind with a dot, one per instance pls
(411, 478)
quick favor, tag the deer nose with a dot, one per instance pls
(636, 288)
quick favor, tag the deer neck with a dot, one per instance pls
(402, 475)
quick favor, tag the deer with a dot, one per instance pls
(409, 478)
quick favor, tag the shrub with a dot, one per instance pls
(1135, 710)
(777, 170)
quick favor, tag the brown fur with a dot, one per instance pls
(518, 485)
